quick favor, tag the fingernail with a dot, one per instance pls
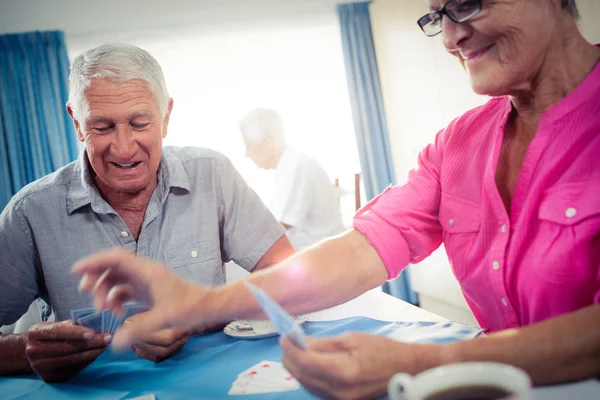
(107, 339)
(88, 335)
(82, 283)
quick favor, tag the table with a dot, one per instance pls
(203, 370)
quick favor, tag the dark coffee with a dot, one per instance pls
(470, 392)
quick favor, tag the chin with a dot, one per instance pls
(488, 88)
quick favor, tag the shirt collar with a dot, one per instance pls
(83, 191)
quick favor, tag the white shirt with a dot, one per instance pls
(305, 200)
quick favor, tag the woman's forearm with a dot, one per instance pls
(561, 349)
(323, 276)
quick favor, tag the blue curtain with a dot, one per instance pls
(369, 118)
(36, 133)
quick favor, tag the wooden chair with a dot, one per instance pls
(356, 189)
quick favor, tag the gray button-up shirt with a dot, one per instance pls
(201, 215)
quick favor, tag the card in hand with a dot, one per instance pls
(106, 321)
(281, 320)
(92, 321)
(76, 314)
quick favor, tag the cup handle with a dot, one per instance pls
(399, 387)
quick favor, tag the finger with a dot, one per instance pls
(70, 362)
(166, 337)
(124, 267)
(64, 330)
(331, 365)
(144, 352)
(46, 349)
(118, 296)
(87, 282)
(139, 329)
(158, 353)
(103, 285)
(326, 345)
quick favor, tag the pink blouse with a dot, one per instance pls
(538, 261)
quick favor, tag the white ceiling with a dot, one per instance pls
(83, 17)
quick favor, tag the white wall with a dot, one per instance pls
(424, 88)
(222, 58)
(84, 17)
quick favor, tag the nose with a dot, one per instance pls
(454, 34)
(124, 145)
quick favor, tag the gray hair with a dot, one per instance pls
(118, 62)
(261, 124)
(571, 7)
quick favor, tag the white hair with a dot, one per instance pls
(571, 7)
(261, 124)
(118, 62)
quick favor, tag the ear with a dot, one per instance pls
(75, 123)
(166, 119)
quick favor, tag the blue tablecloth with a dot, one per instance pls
(208, 365)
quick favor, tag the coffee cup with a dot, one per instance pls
(469, 380)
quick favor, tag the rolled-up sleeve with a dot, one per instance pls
(402, 222)
(19, 284)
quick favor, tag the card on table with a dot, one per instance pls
(264, 377)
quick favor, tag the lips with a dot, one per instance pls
(126, 166)
(475, 54)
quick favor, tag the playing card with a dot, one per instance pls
(92, 321)
(281, 320)
(144, 397)
(106, 320)
(80, 313)
(264, 377)
(129, 309)
(269, 371)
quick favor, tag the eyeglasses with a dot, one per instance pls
(457, 10)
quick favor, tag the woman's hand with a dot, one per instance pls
(117, 276)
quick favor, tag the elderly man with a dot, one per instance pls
(510, 188)
(185, 206)
(305, 201)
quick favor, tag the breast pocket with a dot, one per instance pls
(200, 263)
(569, 229)
(461, 221)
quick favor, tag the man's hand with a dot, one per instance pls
(57, 351)
(354, 366)
(160, 345)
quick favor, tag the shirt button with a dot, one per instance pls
(451, 222)
(194, 254)
(504, 228)
(124, 234)
(504, 302)
(496, 265)
(570, 212)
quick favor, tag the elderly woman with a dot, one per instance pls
(510, 188)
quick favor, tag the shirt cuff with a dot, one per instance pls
(387, 241)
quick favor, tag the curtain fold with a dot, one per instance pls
(370, 126)
(36, 133)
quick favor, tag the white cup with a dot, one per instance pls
(419, 387)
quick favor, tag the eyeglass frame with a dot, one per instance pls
(442, 11)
